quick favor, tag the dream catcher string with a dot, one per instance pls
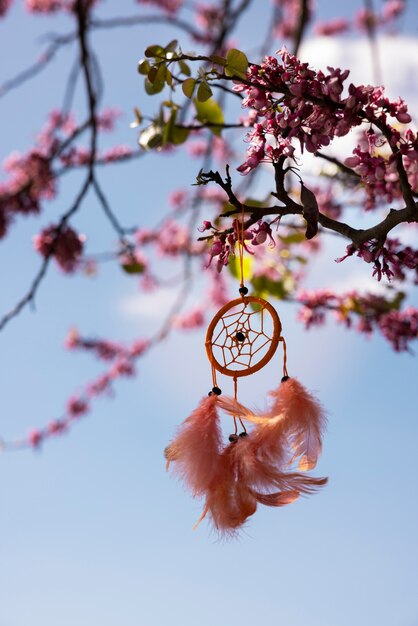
(263, 464)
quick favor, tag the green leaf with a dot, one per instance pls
(266, 287)
(208, 113)
(155, 51)
(138, 116)
(236, 63)
(155, 81)
(168, 77)
(179, 135)
(133, 268)
(204, 92)
(293, 238)
(184, 68)
(171, 47)
(218, 60)
(143, 66)
(253, 202)
(152, 89)
(173, 134)
(188, 87)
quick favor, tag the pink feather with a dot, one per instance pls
(245, 480)
(228, 500)
(196, 450)
(280, 498)
(255, 469)
(303, 421)
(268, 437)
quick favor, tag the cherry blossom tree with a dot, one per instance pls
(214, 105)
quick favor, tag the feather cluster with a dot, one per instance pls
(258, 467)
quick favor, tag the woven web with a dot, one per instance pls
(242, 337)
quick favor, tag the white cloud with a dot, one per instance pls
(399, 73)
(397, 61)
(151, 306)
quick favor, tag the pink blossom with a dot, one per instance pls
(170, 6)
(366, 19)
(76, 407)
(392, 9)
(72, 340)
(148, 282)
(100, 385)
(178, 199)
(56, 427)
(47, 6)
(192, 319)
(222, 247)
(212, 194)
(144, 236)
(332, 27)
(116, 153)
(52, 6)
(375, 312)
(31, 181)
(261, 232)
(76, 156)
(209, 18)
(106, 119)
(400, 327)
(5, 6)
(218, 293)
(172, 239)
(64, 244)
(139, 347)
(197, 148)
(205, 226)
(35, 438)
(288, 17)
(122, 367)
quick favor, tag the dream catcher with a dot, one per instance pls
(266, 463)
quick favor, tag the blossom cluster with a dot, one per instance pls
(224, 243)
(4, 6)
(364, 312)
(378, 169)
(391, 260)
(170, 6)
(122, 359)
(53, 6)
(31, 177)
(61, 243)
(295, 102)
(31, 180)
(364, 20)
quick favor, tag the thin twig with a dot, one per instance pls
(120, 230)
(37, 67)
(31, 293)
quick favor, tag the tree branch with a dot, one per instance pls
(31, 293)
(38, 66)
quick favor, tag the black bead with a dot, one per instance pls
(240, 336)
(216, 391)
(243, 291)
(233, 438)
(243, 434)
(285, 378)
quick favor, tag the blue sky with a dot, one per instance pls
(92, 530)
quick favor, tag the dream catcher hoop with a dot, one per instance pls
(243, 336)
(266, 464)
